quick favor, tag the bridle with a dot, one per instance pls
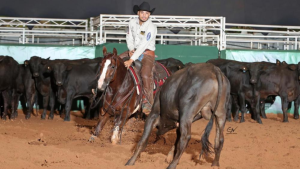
(124, 101)
(96, 101)
(111, 106)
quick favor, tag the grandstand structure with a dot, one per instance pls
(172, 30)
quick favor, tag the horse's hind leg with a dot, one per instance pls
(151, 122)
(219, 140)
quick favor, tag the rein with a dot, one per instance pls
(127, 99)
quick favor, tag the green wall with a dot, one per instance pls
(184, 53)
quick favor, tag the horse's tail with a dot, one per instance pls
(207, 147)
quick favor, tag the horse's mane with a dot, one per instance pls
(121, 60)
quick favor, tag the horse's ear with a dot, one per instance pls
(104, 51)
(115, 52)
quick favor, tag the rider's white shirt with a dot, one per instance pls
(141, 37)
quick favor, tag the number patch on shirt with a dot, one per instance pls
(148, 36)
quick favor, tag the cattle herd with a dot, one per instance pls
(216, 90)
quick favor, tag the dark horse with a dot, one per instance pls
(121, 92)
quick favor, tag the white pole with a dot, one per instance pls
(222, 34)
(296, 46)
(23, 41)
(86, 29)
(92, 29)
(96, 39)
(196, 32)
(100, 33)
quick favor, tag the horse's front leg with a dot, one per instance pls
(120, 121)
(102, 121)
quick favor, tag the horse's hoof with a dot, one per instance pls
(114, 142)
(92, 138)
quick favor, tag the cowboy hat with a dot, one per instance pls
(143, 7)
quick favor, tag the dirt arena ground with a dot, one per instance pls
(55, 144)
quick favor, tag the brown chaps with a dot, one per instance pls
(146, 73)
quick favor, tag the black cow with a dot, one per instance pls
(9, 70)
(74, 80)
(200, 90)
(42, 80)
(280, 80)
(172, 63)
(26, 87)
(239, 77)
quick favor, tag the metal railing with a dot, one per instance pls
(287, 41)
(279, 35)
(195, 30)
(192, 39)
(197, 25)
(25, 34)
(45, 23)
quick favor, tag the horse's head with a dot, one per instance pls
(108, 69)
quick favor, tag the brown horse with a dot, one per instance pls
(121, 93)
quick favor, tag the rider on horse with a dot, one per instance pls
(141, 44)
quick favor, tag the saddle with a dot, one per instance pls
(160, 74)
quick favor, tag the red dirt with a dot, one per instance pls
(36, 143)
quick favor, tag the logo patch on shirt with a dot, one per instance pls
(148, 36)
